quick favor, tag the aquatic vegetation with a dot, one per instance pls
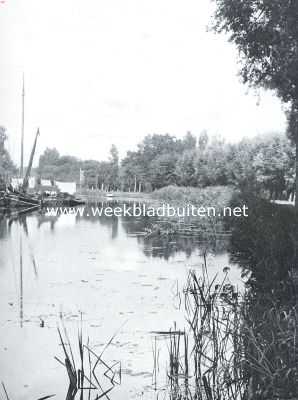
(90, 376)
(206, 360)
(271, 350)
(87, 372)
(217, 196)
(235, 345)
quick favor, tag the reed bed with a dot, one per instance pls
(235, 346)
(271, 349)
(207, 361)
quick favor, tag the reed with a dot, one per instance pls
(206, 361)
(82, 371)
(236, 346)
(271, 349)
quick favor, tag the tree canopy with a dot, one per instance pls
(7, 166)
(266, 35)
(264, 163)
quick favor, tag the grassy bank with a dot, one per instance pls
(217, 196)
(213, 196)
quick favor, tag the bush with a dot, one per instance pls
(213, 196)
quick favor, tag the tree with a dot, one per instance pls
(189, 141)
(272, 165)
(55, 167)
(7, 167)
(163, 170)
(211, 163)
(185, 169)
(266, 34)
(132, 172)
(114, 167)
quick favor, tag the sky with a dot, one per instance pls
(103, 72)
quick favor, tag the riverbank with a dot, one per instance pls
(211, 196)
(179, 223)
(94, 196)
(174, 195)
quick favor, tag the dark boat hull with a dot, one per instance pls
(20, 201)
(61, 202)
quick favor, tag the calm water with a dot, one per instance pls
(62, 270)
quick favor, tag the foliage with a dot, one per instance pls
(264, 245)
(264, 164)
(7, 167)
(266, 35)
(55, 167)
(153, 164)
(67, 168)
(216, 196)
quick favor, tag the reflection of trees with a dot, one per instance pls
(265, 244)
(111, 222)
(44, 219)
(3, 227)
(166, 246)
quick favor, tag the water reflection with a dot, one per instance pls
(42, 219)
(3, 227)
(156, 245)
(21, 284)
(106, 269)
(265, 243)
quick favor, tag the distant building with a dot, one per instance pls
(68, 187)
(45, 185)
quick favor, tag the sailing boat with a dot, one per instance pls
(12, 198)
(21, 198)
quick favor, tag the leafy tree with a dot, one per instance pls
(163, 170)
(132, 172)
(266, 34)
(203, 140)
(189, 141)
(241, 170)
(55, 167)
(271, 164)
(185, 170)
(211, 163)
(7, 167)
(152, 165)
(114, 168)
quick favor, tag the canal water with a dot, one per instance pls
(100, 275)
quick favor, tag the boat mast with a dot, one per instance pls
(23, 129)
(28, 172)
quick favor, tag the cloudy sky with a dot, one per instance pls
(99, 72)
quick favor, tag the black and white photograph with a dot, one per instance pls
(148, 199)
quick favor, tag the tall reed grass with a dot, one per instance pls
(235, 345)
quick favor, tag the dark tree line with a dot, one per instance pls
(264, 163)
